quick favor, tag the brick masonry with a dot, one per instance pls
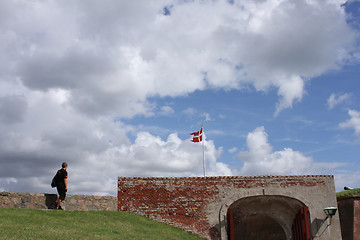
(47, 201)
(357, 219)
(349, 210)
(199, 204)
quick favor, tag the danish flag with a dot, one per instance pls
(197, 136)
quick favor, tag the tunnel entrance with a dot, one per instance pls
(259, 227)
(263, 218)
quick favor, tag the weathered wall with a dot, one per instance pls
(349, 210)
(200, 204)
(47, 201)
(357, 219)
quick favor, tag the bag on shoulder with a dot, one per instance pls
(54, 182)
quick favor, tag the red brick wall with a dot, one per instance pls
(357, 219)
(349, 211)
(184, 202)
(346, 213)
(177, 201)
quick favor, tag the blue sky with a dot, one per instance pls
(115, 87)
(310, 126)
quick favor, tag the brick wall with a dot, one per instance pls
(47, 201)
(349, 210)
(346, 212)
(199, 204)
(357, 219)
(177, 201)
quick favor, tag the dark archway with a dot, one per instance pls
(259, 227)
(263, 217)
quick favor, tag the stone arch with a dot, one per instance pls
(268, 215)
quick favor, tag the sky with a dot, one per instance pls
(114, 88)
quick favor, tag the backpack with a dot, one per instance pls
(54, 181)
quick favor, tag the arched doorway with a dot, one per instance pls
(263, 217)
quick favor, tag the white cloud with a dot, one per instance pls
(289, 91)
(233, 150)
(97, 150)
(353, 122)
(336, 99)
(112, 56)
(96, 172)
(349, 179)
(166, 110)
(190, 111)
(149, 155)
(260, 159)
(206, 116)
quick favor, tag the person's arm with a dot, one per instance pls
(65, 181)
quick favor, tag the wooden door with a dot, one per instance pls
(301, 225)
(230, 224)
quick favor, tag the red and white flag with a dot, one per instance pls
(197, 136)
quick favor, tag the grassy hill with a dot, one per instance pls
(348, 193)
(54, 224)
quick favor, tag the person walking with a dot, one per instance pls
(61, 184)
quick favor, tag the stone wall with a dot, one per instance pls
(200, 204)
(47, 201)
(349, 210)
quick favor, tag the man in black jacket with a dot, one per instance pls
(61, 184)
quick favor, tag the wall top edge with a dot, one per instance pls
(230, 177)
(354, 197)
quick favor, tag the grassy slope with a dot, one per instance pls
(348, 193)
(52, 224)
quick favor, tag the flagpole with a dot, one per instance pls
(203, 148)
(200, 137)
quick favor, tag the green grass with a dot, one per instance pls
(348, 193)
(53, 224)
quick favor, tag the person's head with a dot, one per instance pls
(64, 165)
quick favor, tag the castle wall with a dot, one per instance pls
(349, 210)
(200, 204)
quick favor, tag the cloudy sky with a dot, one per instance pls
(115, 87)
